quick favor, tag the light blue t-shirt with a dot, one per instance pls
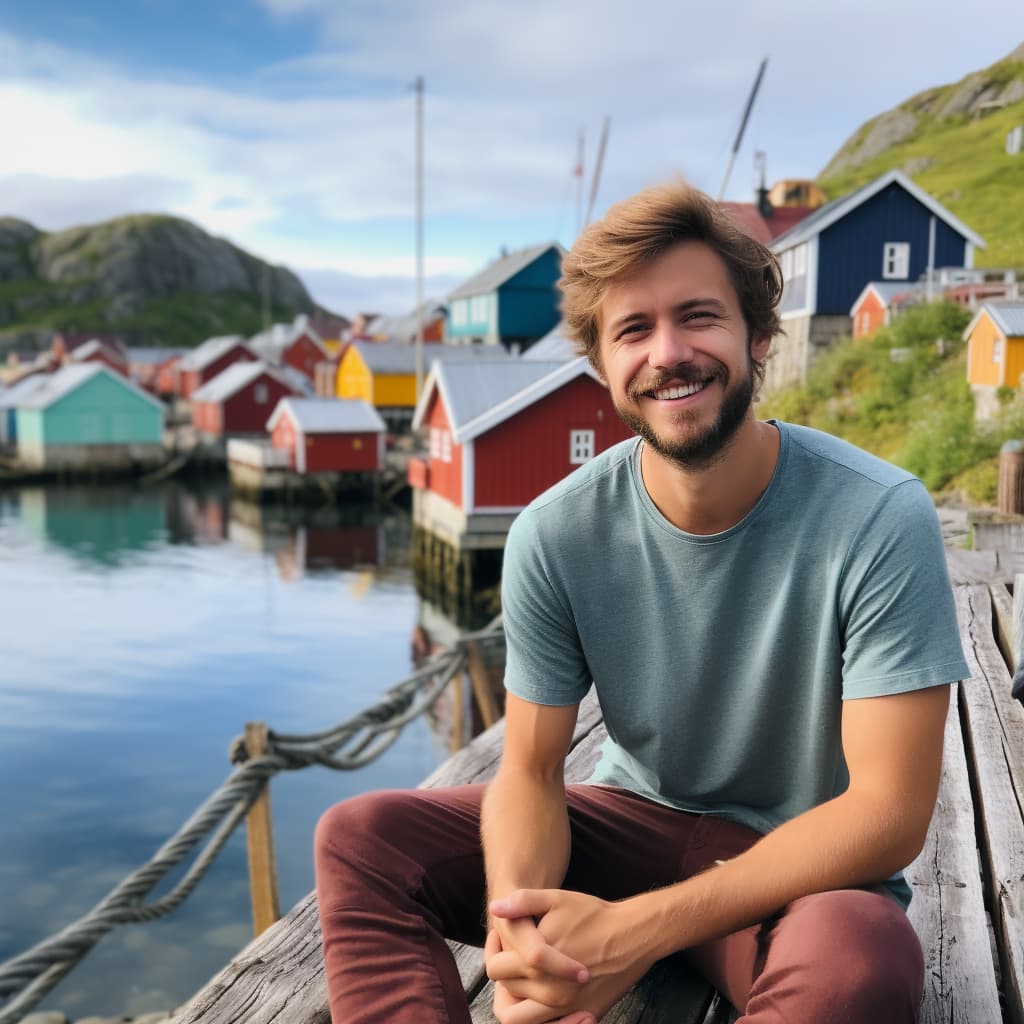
(721, 661)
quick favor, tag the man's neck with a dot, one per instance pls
(714, 498)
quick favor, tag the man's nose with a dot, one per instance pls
(669, 347)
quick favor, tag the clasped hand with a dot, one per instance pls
(559, 956)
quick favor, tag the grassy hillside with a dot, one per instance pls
(914, 409)
(959, 157)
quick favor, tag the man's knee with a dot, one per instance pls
(846, 956)
(360, 827)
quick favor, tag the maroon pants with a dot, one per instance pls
(399, 871)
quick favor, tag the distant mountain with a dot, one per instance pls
(153, 280)
(952, 141)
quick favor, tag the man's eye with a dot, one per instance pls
(699, 314)
(631, 329)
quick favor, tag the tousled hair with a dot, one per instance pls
(637, 230)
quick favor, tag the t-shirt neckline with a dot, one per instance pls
(711, 538)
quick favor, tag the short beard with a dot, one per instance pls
(707, 448)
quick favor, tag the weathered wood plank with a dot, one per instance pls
(947, 909)
(972, 566)
(279, 977)
(1007, 628)
(995, 744)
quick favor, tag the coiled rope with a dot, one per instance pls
(28, 977)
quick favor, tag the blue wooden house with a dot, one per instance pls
(890, 230)
(512, 301)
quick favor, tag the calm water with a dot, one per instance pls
(140, 630)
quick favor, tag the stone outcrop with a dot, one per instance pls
(977, 93)
(115, 271)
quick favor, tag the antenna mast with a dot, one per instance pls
(418, 87)
(743, 127)
(598, 164)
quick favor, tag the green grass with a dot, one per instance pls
(971, 173)
(917, 412)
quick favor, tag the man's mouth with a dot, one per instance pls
(679, 390)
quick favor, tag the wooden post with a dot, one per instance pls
(1017, 637)
(266, 907)
(458, 695)
(1010, 494)
(480, 678)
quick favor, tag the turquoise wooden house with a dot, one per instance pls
(87, 418)
(513, 301)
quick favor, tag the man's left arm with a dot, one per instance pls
(893, 750)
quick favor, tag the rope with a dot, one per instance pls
(29, 976)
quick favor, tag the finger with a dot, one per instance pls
(535, 955)
(523, 903)
(539, 963)
(527, 1011)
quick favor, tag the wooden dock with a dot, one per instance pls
(968, 882)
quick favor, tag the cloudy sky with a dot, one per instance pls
(288, 126)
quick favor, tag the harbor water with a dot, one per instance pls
(142, 627)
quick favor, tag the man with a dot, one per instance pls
(766, 616)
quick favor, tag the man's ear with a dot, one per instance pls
(759, 345)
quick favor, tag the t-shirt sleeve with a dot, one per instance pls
(896, 611)
(544, 662)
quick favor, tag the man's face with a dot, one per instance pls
(676, 354)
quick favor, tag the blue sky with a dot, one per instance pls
(288, 125)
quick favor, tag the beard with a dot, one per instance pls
(699, 447)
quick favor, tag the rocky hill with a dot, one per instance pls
(952, 141)
(153, 280)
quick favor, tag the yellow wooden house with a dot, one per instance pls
(382, 373)
(995, 353)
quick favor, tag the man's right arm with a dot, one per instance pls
(525, 824)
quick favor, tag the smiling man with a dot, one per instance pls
(765, 614)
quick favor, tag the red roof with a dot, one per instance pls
(748, 217)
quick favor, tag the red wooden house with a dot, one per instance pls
(296, 345)
(239, 400)
(208, 360)
(879, 302)
(96, 351)
(501, 432)
(328, 435)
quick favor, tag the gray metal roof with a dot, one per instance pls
(230, 381)
(153, 356)
(404, 328)
(73, 376)
(1008, 316)
(331, 415)
(213, 348)
(272, 343)
(395, 357)
(554, 346)
(17, 393)
(471, 389)
(816, 222)
(495, 274)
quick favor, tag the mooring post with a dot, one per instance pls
(482, 690)
(266, 907)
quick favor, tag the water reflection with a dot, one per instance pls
(144, 623)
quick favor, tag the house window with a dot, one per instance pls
(896, 261)
(459, 313)
(260, 394)
(800, 260)
(435, 442)
(581, 446)
(786, 264)
(997, 351)
(446, 446)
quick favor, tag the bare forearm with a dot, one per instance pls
(848, 842)
(525, 832)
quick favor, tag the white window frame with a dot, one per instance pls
(896, 261)
(435, 442)
(259, 394)
(997, 351)
(581, 446)
(446, 446)
(800, 260)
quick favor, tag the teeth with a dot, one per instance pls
(663, 394)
